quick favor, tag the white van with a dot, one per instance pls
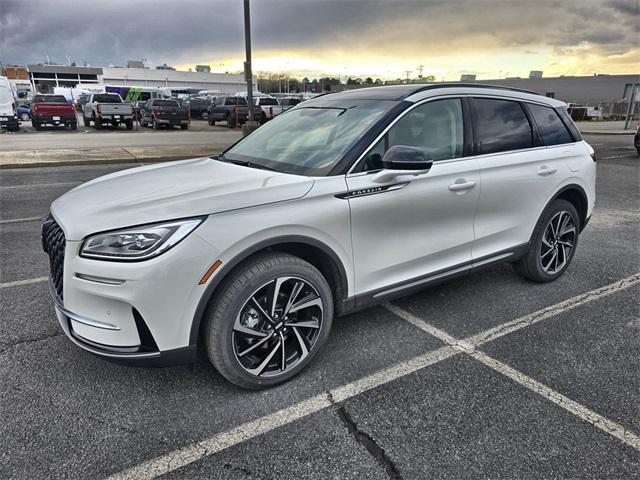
(8, 117)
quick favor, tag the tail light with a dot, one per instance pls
(593, 157)
(13, 105)
(157, 113)
(99, 110)
(235, 110)
(271, 111)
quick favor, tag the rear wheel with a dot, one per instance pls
(37, 125)
(86, 121)
(25, 117)
(184, 127)
(231, 121)
(268, 321)
(98, 123)
(129, 124)
(553, 244)
(73, 126)
(154, 124)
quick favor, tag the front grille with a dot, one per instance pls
(53, 243)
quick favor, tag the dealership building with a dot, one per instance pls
(45, 77)
(583, 90)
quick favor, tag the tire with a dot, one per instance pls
(129, 124)
(142, 122)
(638, 150)
(37, 125)
(211, 122)
(73, 126)
(86, 121)
(184, 127)
(231, 122)
(25, 117)
(257, 277)
(154, 124)
(98, 123)
(544, 248)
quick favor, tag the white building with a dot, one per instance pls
(46, 77)
(174, 79)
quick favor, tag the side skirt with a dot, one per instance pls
(375, 297)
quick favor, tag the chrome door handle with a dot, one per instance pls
(461, 185)
(544, 171)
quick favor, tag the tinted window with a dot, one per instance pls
(49, 99)
(230, 101)
(502, 125)
(107, 98)
(550, 126)
(268, 101)
(165, 103)
(437, 127)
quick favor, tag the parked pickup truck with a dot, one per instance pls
(270, 107)
(233, 110)
(159, 112)
(52, 110)
(104, 108)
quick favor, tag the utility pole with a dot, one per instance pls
(630, 105)
(420, 68)
(247, 64)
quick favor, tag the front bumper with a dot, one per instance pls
(10, 122)
(134, 312)
(142, 355)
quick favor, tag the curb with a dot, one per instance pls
(103, 156)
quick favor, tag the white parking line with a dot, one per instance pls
(612, 428)
(221, 441)
(469, 344)
(199, 450)
(39, 185)
(18, 220)
(29, 281)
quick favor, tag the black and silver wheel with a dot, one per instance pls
(25, 117)
(553, 244)
(268, 322)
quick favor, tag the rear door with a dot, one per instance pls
(518, 173)
(413, 227)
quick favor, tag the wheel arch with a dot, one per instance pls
(309, 249)
(575, 195)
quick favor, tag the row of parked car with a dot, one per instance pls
(99, 109)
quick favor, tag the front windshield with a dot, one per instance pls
(308, 140)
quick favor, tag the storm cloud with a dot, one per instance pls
(209, 31)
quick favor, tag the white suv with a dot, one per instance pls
(344, 201)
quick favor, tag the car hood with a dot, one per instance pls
(170, 191)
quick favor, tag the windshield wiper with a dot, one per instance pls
(244, 163)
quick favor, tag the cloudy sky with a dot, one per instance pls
(378, 38)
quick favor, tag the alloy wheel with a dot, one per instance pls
(558, 241)
(277, 327)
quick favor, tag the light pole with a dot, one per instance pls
(247, 64)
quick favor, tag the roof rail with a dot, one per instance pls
(468, 85)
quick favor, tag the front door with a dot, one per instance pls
(411, 227)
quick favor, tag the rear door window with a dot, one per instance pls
(552, 129)
(501, 125)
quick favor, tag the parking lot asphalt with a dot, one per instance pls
(488, 376)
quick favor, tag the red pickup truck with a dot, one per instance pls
(52, 110)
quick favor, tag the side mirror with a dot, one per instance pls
(403, 160)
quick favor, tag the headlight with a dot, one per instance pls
(138, 243)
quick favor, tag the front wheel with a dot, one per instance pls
(269, 320)
(553, 243)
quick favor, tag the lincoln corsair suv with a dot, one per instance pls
(342, 202)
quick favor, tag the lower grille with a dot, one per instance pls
(54, 243)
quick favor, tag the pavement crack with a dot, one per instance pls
(29, 340)
(367, 442)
